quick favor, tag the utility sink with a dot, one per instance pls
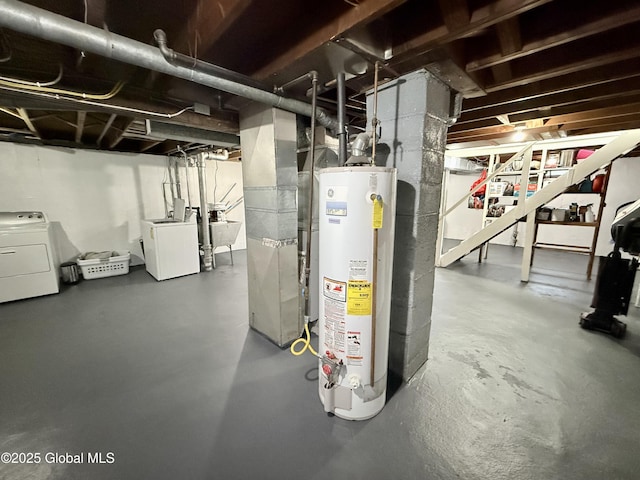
(224, 233)
(166, 220)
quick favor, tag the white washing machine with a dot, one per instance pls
(27, 258)
(170, 248)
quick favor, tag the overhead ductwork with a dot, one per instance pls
(49, 26)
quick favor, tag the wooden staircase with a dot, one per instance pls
(616, 147)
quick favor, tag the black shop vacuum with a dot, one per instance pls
(616, 275)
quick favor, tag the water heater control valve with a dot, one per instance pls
(331, 368)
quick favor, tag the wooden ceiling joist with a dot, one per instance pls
(559, 37)
(121, 132)
(509, 36)
(597, 76)
(208, 21)
(611, 106)
(363, 13)
(613, 126)
(606, 91)
(499, 132)
(455, 14)
(579, 65)
(106, 128)
(594, 121)
(595, 107)
(485, 16)
(82, 115)
(25, 117)
(598, 114)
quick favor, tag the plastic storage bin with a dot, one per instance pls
(109, 267)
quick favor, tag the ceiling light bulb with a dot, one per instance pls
(518, 134)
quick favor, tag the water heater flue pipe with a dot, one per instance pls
(46, 25)
(342, 129)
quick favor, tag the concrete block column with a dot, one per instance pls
(270, 176)
(413, 111)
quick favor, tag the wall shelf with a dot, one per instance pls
(589, 250)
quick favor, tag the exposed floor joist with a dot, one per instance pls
(206, 24)
(82, 115)
(514, 62)
(25, 117)
(106, 128)
(481, 18)
(559, 37)
(357, 15)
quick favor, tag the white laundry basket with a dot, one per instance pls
(108, 267)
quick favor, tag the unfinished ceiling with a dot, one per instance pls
(544, 68)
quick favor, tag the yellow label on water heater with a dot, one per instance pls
(377, 212)
(359, 297)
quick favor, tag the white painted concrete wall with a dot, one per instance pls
(95, 200)
(624, 186)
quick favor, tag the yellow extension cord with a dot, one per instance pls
(306, 341)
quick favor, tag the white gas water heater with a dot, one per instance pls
(356, 231)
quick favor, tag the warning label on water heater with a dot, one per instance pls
(334, 325)
(358, 270)
(335, 289)
(359, 297)
(354, 348)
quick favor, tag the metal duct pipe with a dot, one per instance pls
(186, 61)
(295, 81)
(360, 145)
(342, 131)
(49, 26)
(204, 214)
(176, 174)
(220, 155)
(186, 174)
(312, 153)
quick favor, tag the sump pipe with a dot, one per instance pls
(34, 21)
(204, 214)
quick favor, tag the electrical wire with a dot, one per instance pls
(35, 84)
(98, 104)
(306, 342)
(103, 96)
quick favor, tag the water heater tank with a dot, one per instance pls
(356, 222)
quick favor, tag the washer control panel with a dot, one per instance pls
(20, 219)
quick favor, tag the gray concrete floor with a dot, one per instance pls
(168, 377)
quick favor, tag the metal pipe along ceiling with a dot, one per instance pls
(50, 26)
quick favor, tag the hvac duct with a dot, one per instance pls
(49, 26)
